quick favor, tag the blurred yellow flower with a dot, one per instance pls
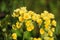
(18, 25)
(37, 39)
(39, 21)
(26, 16)
(31, 13)
(51, 16)
(52, 38)
(38, 16)
(15, 14)
(44, 15)
(47, 27)
(13, 27)
(50, 33)
(53, 22)
(14, 36)
(30, 28)
(45, 11)
(53, 29)
(21, 19)
(22, 10)
(46, 18)
(42, 31)
(34, 18)
(28, 23)
(47, 22)
(17, 10)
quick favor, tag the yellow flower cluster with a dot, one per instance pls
(49, 25)
(29, 25)
(29, 17)
(23, 15)
(46, 15)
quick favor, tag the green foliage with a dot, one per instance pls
(7, 7)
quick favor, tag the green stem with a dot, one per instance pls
(23, 35)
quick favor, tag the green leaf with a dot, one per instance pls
(3, 6)
(26, 35)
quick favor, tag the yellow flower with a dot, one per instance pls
(51, 16)
(42, 31)
(21, 19)
(14, 36)
(38, 16)
(17, 10)
(53, 22)
(47, 27)
(13, 27)
(46, 18)
(30, 28)
(18, 25)
(46, 15)
(22, 10)
(45, 11)
(37, 39)
(28, 22)
(26, 16)
(15, 14)
(34, 18)
(51, 38)
(50, 33)
(47, 22)
(30, 13)
(53, 29)
(39, 21)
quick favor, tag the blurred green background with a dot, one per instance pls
(53, 6)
